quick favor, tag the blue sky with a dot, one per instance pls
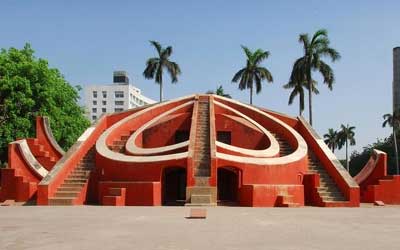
(87, 40)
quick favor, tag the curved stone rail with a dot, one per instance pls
(132, 148)
(300, 152)
(103, 150)
(30, 160)
(271, 151)
(49, 134)
(371, 168)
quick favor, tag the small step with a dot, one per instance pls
(61, 201)
(200, 199)
(66, 193)
(201, 181)
(75, 181)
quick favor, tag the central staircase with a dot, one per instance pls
(75, 185)
(202, 194)
(328, 190)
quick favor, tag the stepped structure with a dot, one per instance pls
(198, 150)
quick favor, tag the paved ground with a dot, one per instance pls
(91, 227)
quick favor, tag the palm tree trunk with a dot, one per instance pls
(309, 99)
(300, 111)
(251, 94)
(161, 92)
(347, 156)
(396, 152)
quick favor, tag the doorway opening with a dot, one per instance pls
(174, 187)
(228, 182)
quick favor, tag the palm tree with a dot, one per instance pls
(156, 65)
(393, 120)
(331, 139)
(298, 89)
(314, 50)
(220, 91)
(346, 135)
(253, 72)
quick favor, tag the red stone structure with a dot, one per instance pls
(375, 183)
(196, 150)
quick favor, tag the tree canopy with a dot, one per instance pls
(253, 72)
(156, 65)
(28, 88)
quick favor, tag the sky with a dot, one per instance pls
(88, 40)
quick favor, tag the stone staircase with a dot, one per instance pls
(328, 190)
(41, 155)
(202, 146)
(202, 194)
(119, 145)
(76, 183)
(284, 147)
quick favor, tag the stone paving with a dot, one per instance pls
(95, 227)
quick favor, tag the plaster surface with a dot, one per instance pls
(93, 227)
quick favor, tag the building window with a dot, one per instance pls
(94, 102)
(119, 94)
(104, 94)
(104, 102)
(94, 94)
(118, 109)
(104, 110)
(94, 110)
(119, 103)
(94, 117)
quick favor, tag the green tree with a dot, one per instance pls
(220, 91)
(359, 159)
(331, 139)
(393, 120)
(297, 83)
(253, 72)
(28, 88)
(156, 65)
(346, 136)
(314, 50)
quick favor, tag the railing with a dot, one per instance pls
(48, 186)
(332, 165)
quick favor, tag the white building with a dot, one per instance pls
(115, 97)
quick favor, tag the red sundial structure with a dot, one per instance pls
(199, 150)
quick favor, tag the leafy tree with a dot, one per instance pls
(331, 139)
(253, 72)
(314, 50)
(28, 88)
(359, 159)
(346, 135)
(156, 65)
(220, 91)
(393, 120)
(298, 84)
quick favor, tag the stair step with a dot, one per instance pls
(69, 189)
(71, 185)
(66, 194)
(61, 201)
(75, 181)
(200, 199)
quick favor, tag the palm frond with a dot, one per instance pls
(264, 74)
(238, 75)
(327, 74)
(166, 52)
(157, 45)
(173, 70)
(318, 34)
(247, 51)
